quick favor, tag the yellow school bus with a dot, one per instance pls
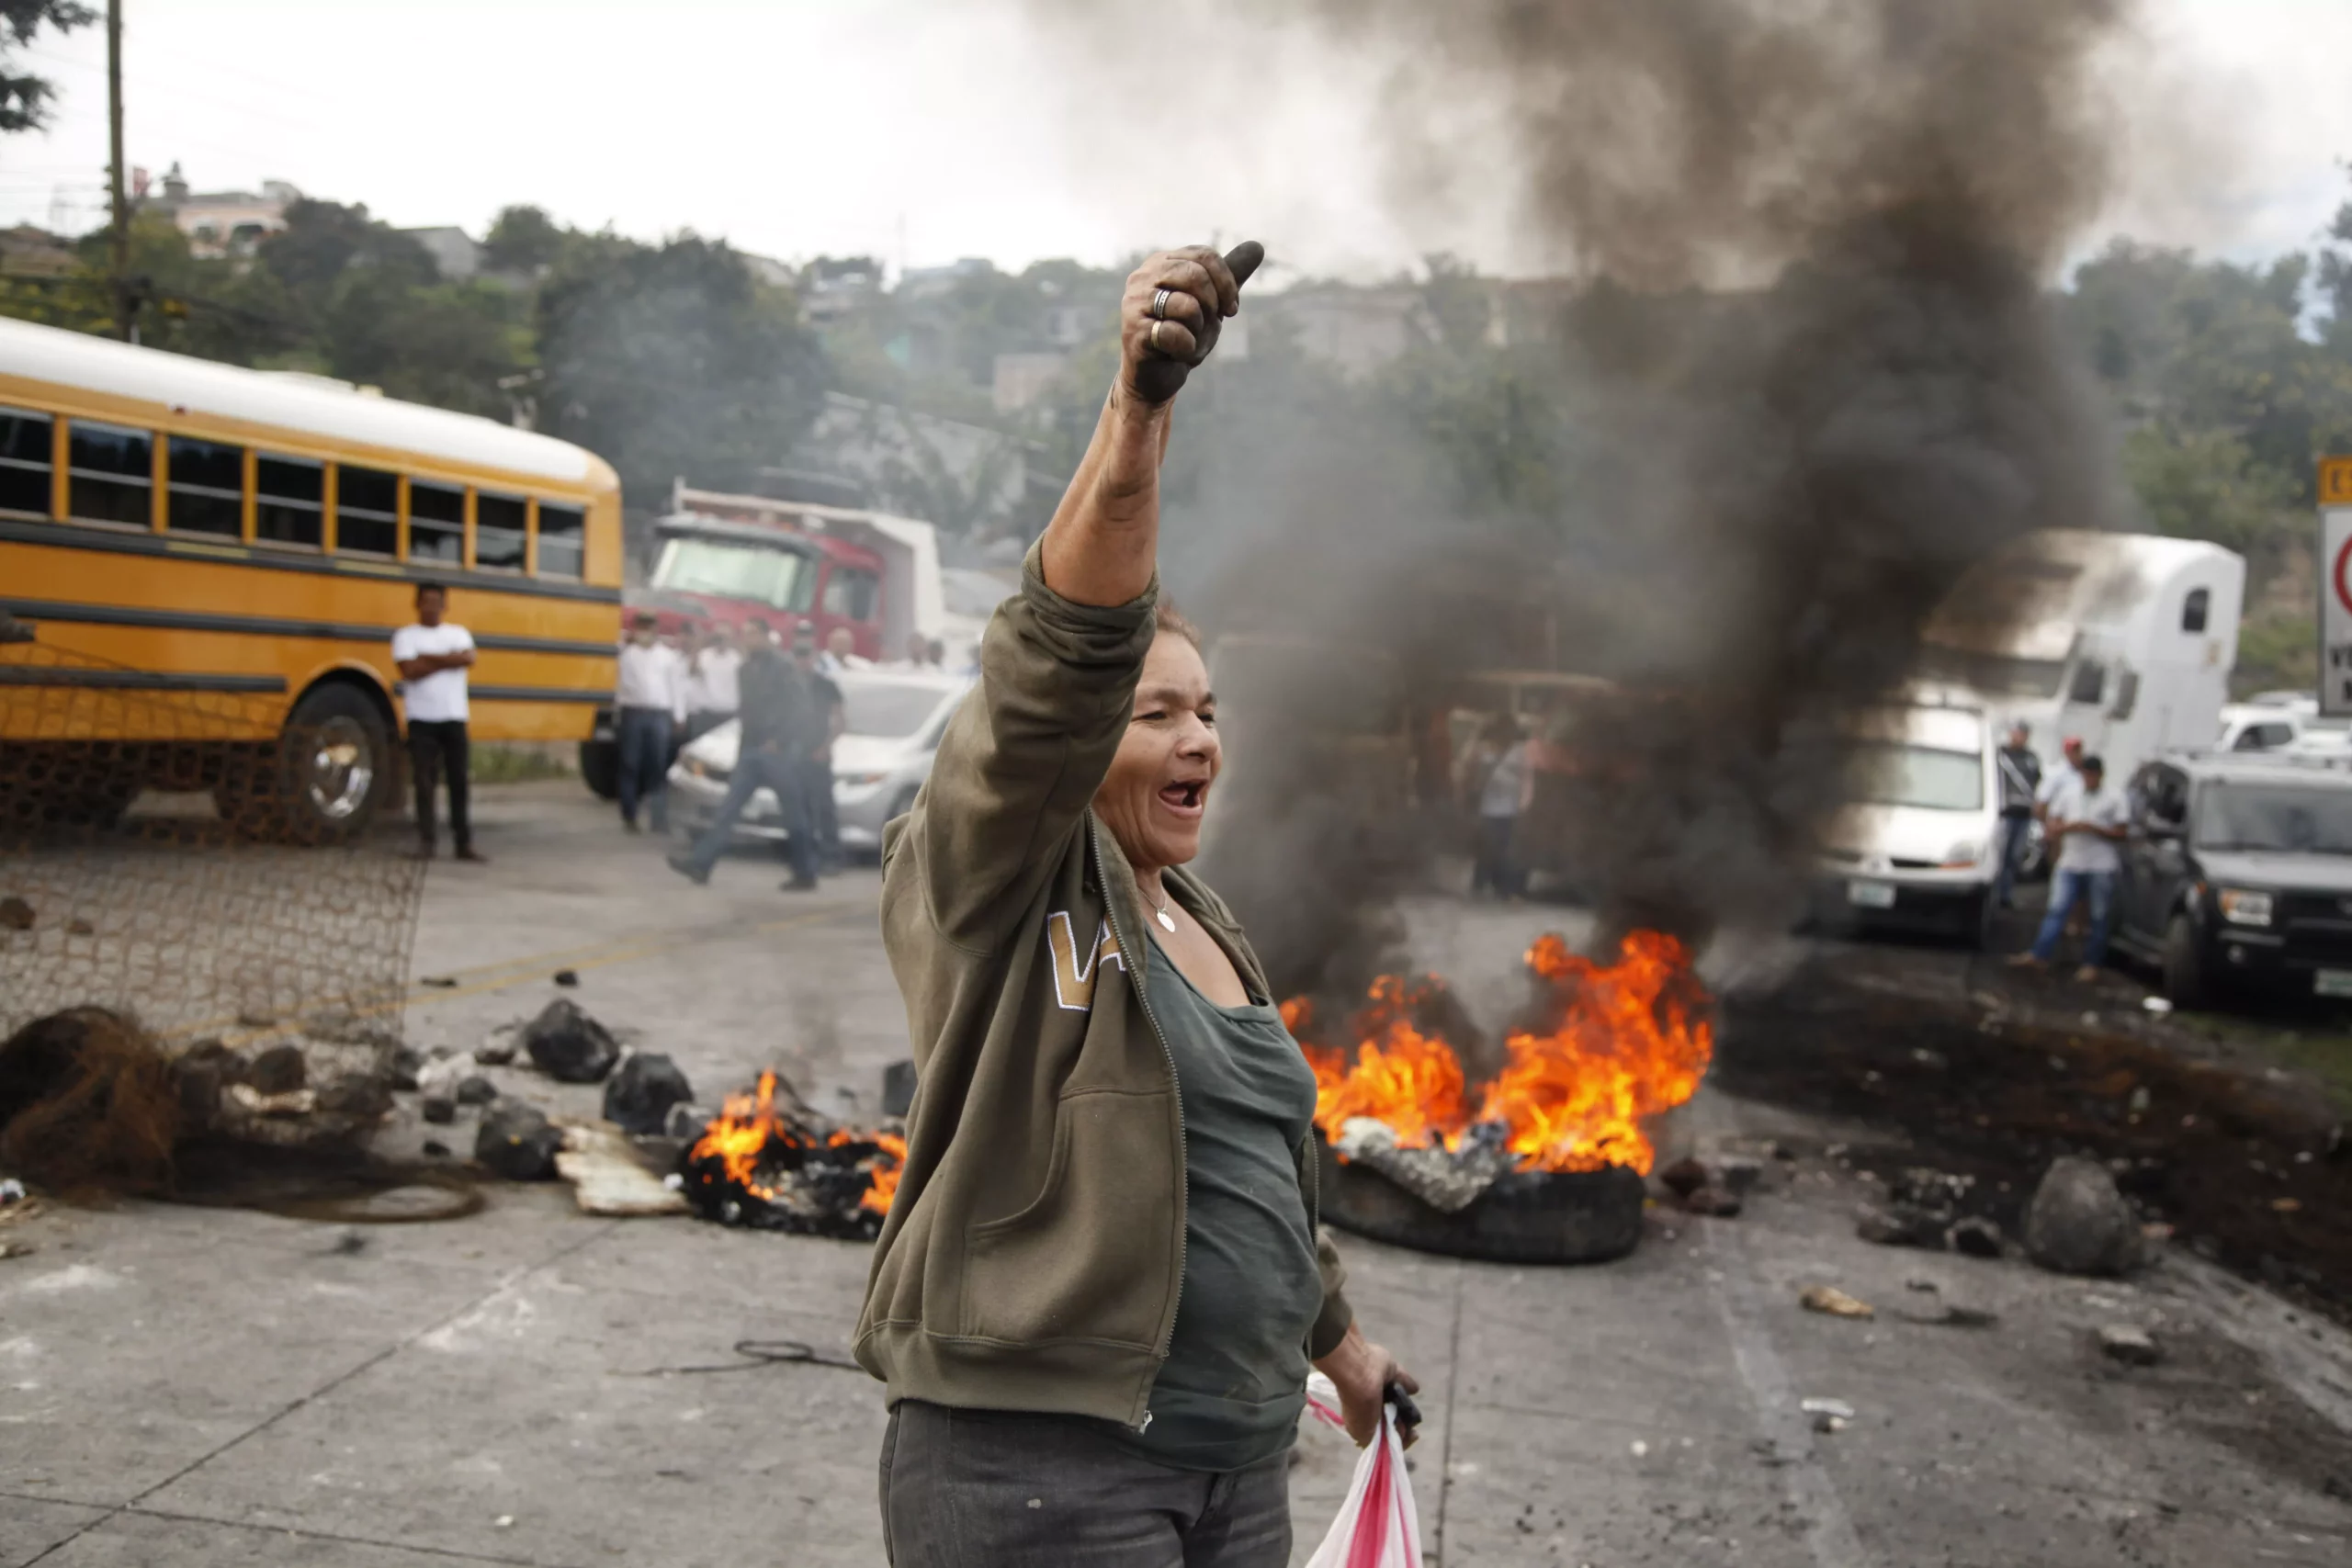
(173, 530)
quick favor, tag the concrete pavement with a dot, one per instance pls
(197, 1386)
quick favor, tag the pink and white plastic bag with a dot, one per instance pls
(1377, 1526)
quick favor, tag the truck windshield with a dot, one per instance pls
(726, 570)
(1890, 772)
(2288, 819)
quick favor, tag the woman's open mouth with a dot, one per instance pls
(1185, 799)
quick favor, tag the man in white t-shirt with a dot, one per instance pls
(433, 656)
(2088, 824)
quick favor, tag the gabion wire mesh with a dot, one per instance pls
(154, 860)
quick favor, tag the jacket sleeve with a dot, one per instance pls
(1021, 759)
(1331, 1324)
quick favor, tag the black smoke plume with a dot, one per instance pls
(1806, 369)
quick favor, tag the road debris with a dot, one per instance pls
(569, 1045)
(638, 1095)
(1828, 1414)
(253, 1102)
(2132, 1345)
(607, 1177)
(2078, 1222)
(497, 1047)
(1835, 1302)
(1448, 1180)
(15, 915)
(516, 1141)
(1975, 1237)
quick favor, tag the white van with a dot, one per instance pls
(2122, 641)
(1914, 842)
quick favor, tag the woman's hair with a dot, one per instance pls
(1166, 618)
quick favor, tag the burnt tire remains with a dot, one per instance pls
(1527, 1216)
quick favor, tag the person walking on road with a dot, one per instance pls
(2020, 773)
(433, 655)
(650, 697)
(2090, 835)
(776, 718)
(1101, 1283)
(713, 665)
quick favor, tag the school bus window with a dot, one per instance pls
(24, 461)
(110, 472)
(436, 523)
(562, 531)
(499, 531)
(207, 488)
(289, 500)
(366, 511)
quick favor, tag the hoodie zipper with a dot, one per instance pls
(1136, 982)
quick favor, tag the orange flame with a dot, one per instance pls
(1621, 1043)
(739, 1135)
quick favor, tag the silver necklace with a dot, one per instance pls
(1167, 921)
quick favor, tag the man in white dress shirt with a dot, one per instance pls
(714, 690)
(649, 699)
(433, 654)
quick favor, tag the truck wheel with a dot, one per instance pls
(324, 781)
(2185, 984)
(600, 768)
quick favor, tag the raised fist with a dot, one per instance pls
(1170, 316)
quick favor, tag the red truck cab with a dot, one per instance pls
(726, 570)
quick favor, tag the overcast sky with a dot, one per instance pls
(923, 130)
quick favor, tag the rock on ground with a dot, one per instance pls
(2078, 1222)
(569, 1045)
(638, 1097)
(516, 1141)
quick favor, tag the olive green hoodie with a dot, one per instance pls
(1034, 1253)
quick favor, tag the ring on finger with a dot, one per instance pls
(1154, 338)
(1160, 304)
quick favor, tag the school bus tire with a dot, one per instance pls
(331, 771)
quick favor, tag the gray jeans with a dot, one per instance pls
(997, 1489)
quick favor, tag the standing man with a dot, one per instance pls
(2020, 785)
(841, 652)
(813, 748)
(433, 656)
(1502, 795)
(776, 712)
(650, 697)
(714, 668)
(2088, 835)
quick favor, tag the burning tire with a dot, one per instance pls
(1588, 1216)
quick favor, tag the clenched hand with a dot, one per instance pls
(1168, 318)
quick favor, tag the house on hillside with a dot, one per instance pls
(221, 222)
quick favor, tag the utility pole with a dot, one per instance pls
(126, 321)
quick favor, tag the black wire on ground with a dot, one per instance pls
(758, 1353)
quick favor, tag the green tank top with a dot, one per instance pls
(1234, 1381)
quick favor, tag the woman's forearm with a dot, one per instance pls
(1104, 539)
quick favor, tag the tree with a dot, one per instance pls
(24, 96)
(673, 360)
(523, 240)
